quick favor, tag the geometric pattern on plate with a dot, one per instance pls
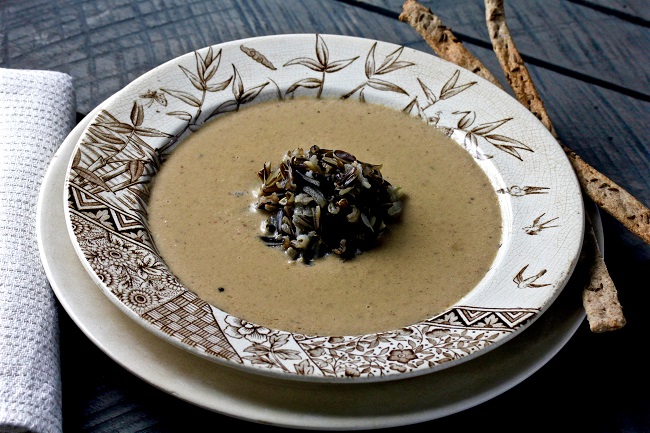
(191, 320)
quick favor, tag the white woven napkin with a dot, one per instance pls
(37, 111)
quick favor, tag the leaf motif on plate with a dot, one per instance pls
(154, 97)
(201, 79)
(470, 143)
(257, 56)
(448, 90)
(321, 64)
(501, 142)
(240, 94)
(186, 97)
(389, 64)
(114, 151)
(91, 177)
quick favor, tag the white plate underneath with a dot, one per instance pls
(275, 401)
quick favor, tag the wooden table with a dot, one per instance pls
(591, 64)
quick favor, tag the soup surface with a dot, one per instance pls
(203, 222)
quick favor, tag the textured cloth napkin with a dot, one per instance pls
(37, 111)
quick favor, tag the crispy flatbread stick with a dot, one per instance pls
(600, 297)
(448, 47)
(442, 40)
(609, 196)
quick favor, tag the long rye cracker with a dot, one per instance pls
(600, 297)
(441, 39)
(609, 196)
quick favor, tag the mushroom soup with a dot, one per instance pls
(205, 224)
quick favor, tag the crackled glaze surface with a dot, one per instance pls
(126, 143)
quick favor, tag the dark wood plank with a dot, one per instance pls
(635, 11)
(104, 44)
(590, 121)
(576, 40)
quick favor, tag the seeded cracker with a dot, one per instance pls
(600, 297)
(603, 191)
(441, 39)
(448, 47)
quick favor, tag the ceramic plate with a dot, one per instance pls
(120, 151)
(288, 403)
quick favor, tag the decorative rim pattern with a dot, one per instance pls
(125, 144)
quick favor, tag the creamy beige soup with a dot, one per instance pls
(203, 222)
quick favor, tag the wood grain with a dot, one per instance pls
(633, 11)
(104, 44)
(560, 41)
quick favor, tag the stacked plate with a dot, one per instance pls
(92, 201)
